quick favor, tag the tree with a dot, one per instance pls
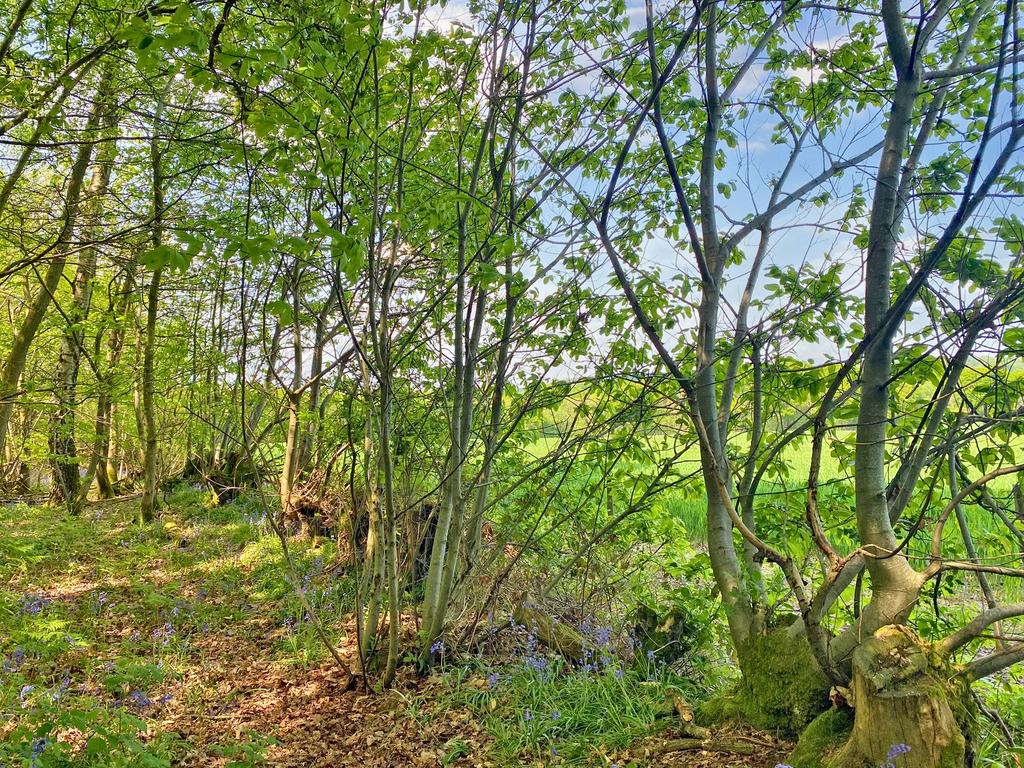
(943, 39)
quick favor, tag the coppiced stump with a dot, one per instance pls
(904, 706)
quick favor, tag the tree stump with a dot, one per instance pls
(903, 707)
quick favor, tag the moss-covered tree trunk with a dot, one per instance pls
(782, 688)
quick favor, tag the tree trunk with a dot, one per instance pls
(147, 510)
(292, 447)
(293, 441)
(907, 713)
(100, 464)
(65, 486)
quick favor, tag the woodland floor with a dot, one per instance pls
(189, 627)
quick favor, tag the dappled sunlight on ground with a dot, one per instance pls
(187, 632)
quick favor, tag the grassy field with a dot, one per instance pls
(788, 482)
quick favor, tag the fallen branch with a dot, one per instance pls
(706, 745)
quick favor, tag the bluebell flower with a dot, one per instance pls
(527, 715)
(25, 692)
(650, 656)
(492, 679)
(555, 714)
(139, 700)
(619, 673)
(58, 692)
(32, 604)
(895, 751)
(38, 747)
(13, 662)
(438, 646)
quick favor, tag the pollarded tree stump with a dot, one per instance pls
(902, 698)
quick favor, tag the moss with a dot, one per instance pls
(719, 709)
(825, 734)
(782, 687)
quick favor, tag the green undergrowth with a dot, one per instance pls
(104, 625)
(550, 711)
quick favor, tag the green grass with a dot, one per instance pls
(563, 714)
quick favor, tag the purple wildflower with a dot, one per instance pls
(14, 661)
(32, 604)
(527, 715)
(895, 751)
(166, 632)
(38, 747)
(139, 700)
(62, 687)
(492, 680)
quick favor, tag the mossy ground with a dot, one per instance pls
(822, 737)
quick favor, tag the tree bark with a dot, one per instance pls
(65, 486)
(148, 507)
